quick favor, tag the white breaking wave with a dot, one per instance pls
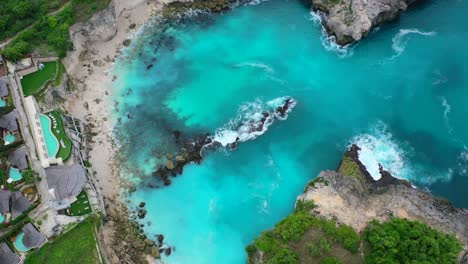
(329, 42)
(380, 148)
(253, 120)
(259, 65)
(463, 161)
(400, 40)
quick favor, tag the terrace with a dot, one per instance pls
(9, 127)
(7, 255)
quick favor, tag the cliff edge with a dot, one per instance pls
(351, 20)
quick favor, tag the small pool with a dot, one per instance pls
(52, 143)
(2, 218)
(9, 138)
(19, 243)
(2, 102)
(15, 174)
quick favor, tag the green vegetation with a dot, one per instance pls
(60, 70)
(76, 246)
(404, 241)
(81, 206)
(47, 33)
(350, 168)
(321, 238)
(16, 15)
(32, 83)
(65, 144)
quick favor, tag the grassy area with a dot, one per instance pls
(81, 206)
(60, 71)
(76, 246)
(350, 168)
(33, 82)
(65, 144)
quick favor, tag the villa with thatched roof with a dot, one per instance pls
(7, 255)
(65, 183)
(19, 204)
(5, 201)
(9, 121)
(18, 158)
(33, 238)
(3, 87)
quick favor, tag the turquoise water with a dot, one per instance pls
(19, 243)
(15, 174)
(9, 138)
(2, 218)
(2, 103)
(400, 95)
(50, 140)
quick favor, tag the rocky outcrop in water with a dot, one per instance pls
(351, 20)
(191, 150)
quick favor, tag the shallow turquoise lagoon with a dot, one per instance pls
(400, 95)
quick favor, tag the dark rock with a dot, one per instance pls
(141, 213)
(126, 42)
(142, 204)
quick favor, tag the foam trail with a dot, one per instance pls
(259, 65)
(400, 40)
(253, 120)
(447, 109)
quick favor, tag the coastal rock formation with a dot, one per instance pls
(353, 198)
(351, 20)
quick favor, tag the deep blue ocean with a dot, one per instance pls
(400, 94)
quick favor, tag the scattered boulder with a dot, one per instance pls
(142, 204)
(141, 213)
(170, 165)
(126, 42)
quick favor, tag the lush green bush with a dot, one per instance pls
(294, 226)
(320, 248)
(330, 260)
(404, 241)
(284, 256)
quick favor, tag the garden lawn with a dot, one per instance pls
(76, 246)
(33, 82)
(81, 206)
(65, 144)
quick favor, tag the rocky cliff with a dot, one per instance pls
(349, 200)
(351, 20)
(353, 198)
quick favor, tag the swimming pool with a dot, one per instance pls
(2, 102)
(52, 143)
(9, 138)
(2, 218)
(15, 174)
(19, 243)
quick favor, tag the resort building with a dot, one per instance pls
(9, 122)
(3, 89)
(4, 205)
(65, 183)
(19, 204)
(18, 158)
(32, 238)
(7, 255)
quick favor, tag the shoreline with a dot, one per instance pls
(97, 45)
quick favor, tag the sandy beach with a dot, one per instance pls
(96, 46)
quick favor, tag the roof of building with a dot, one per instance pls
(67, 181)
(8, 121)
(17, 158)
(32, 238)
(19, 204)
(3, 86)
(8, 256)
(5, 201)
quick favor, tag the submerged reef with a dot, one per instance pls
(342, 210)
(351, 20)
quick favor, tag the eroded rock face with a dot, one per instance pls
(351, 20)
(355, 201)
